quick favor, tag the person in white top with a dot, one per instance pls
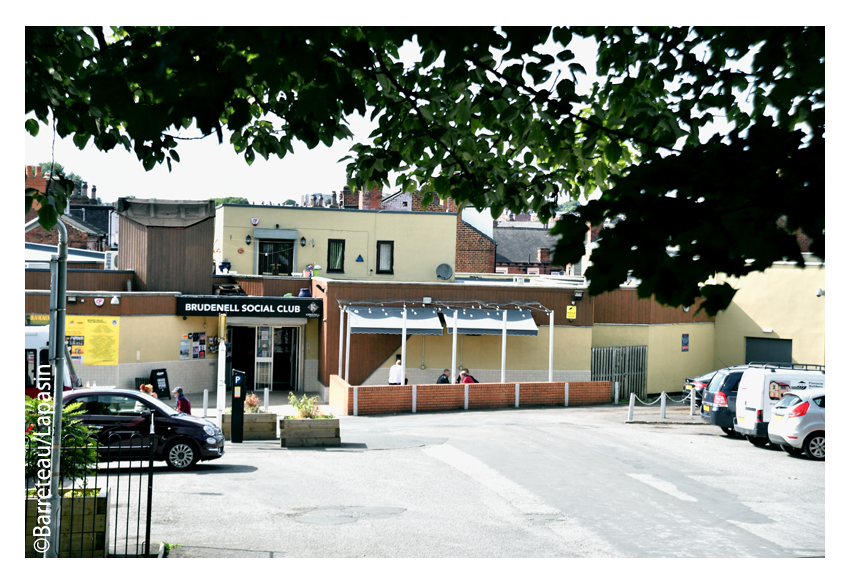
(396, 373)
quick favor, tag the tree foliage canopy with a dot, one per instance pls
(493, 118)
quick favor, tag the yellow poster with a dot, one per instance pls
(92, 340)
(571, 312)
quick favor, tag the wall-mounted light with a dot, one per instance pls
(313, 242)
(115, 301)
(820, 292)
(767, 330)
(303, 241)
(577, 294)
(247, 240)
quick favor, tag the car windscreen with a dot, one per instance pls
(788, 400)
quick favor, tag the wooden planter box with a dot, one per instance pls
(84, 526)
(254, 426)
(309, 432)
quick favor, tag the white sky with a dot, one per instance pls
(208, 169)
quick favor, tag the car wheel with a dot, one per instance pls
(815, 446)
(757, 440)
(728, 431)
(181, 455)
(791, 450)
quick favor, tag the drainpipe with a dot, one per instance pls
(57, 345)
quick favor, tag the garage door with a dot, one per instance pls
(768, 350)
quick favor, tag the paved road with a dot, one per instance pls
(574, 482)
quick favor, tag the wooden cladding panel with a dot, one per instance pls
(271, 286)
(130, 305)
(168, 259)
(99, 280)
(624, 307)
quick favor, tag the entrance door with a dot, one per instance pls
(265, 359)
(285, 363)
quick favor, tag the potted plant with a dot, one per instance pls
(257, 424)
(84, 521)
(309, 426)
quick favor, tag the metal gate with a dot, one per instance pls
(626, 365)
(107, 513)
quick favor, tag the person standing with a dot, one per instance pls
(444, 378)
(183, 404)
(396, 372)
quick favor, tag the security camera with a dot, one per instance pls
(820, 292)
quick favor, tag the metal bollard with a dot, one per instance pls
(631, 408)
(206, 401)
(692, 401)
(663, 404)
(266, 399)
(616, 392)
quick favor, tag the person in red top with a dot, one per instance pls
(183, 404)
(468, 378)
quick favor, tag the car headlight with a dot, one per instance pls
(210, 430)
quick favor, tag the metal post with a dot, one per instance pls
(663, 405)
(454, 349)
(355, 401)
(348, 349)
(616, 392)
(341, 331)
(206, 401)
(466, 396)
(551, 345)
(631, 408)
(266, 399)
(516, 396)
(692, 401)
(57, 342)
(221, 390)
(566, 394)
(414, 399)
(403, 344)
(504, 341)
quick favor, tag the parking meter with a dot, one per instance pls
(237, 405)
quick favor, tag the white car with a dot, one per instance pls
(799, 423)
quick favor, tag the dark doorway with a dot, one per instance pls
(242, 351)
(768, 350)
(284, 369)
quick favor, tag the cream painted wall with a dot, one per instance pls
(422, 241)
(667, 365)
(571, 352)
(781, 298)
(157, 338)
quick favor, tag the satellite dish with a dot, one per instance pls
(444, 271)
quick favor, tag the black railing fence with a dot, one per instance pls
(107, 512)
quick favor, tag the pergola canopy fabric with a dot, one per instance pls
(489, 322)
(381, 320)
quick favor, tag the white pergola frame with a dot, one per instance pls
(448, 308)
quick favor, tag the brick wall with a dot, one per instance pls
(388, 399)
(475, 252)
(370, 199)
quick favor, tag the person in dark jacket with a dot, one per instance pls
(464, 373)
(444, 378)
(183, 404)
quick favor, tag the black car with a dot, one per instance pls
(720, 397)
(698, 384)
(122, 420)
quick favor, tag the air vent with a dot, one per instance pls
(444, 271)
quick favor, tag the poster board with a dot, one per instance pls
(159, 380)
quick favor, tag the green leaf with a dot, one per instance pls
(31, 127)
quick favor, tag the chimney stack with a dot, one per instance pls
(543, 255)
(371, 199)
(94, 194)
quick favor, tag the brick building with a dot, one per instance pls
(82, 234)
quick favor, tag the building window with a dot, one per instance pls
(533, 271)
(275, 258)
(336, 255)
(385, 257)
